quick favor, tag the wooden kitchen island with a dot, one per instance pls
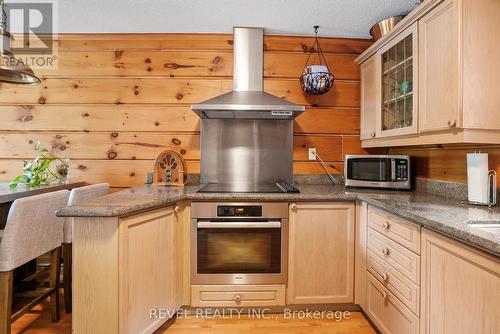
(127, 272)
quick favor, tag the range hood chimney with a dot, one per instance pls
(247, 100)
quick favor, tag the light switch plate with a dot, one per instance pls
(312, 153)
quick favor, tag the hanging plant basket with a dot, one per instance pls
(316, 79)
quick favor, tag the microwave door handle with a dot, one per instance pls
(209, 224)
(393, 170)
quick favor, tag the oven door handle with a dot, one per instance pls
(209, 224)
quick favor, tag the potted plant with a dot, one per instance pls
(44, 169)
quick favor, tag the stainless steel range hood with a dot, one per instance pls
(247, 100)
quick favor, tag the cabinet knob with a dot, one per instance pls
(372, 134)
(293, 207)
(452, 123)
(385, 277)
(176, 209)
(386, 225)
(385, 251)
(385, 295)
(237, 299)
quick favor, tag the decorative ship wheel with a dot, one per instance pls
(169, 169)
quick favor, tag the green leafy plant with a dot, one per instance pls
(37, 172)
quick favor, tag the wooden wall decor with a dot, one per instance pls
(169, 169)
(117, 100)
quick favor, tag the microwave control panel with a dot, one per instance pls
(402, 170)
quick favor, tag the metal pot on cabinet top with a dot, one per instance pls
(381, 28)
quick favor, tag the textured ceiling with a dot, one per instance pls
(341, 18)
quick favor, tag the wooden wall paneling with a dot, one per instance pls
(328, 147)
(331, 120)
(137, 63)
(101, 145)
(111, 91)
(128, 173)
(342, 94)
(116, 100)
(85, 117)
(448, 164)
(163, 90)
(207, 42)
(128, 117)
(314, 167)
(144, 145)
(140, 63)
(291, 65)
(351, 145)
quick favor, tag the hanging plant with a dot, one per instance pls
(316, 79)
(38, 172)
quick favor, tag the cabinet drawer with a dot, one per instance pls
(403, 260)
(237, 295)
(387, 312)
(405, 290)
(399, 230)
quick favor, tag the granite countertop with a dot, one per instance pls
(445, 215)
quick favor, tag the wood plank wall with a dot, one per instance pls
(448, 163)
(117, 100)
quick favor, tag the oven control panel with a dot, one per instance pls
(239, 211)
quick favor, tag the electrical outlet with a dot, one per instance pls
(312, 153)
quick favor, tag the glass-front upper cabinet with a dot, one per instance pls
(398, 61)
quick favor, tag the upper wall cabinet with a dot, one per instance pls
(431, 80)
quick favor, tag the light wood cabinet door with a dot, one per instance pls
(460, 288)
(386, 311)
(370, 97)
(439, 69)
(321, 253)
(397, 112)
(147, 273)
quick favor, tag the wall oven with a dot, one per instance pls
(377, 171)
(239, 243)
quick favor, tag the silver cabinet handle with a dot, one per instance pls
(385, 277)
(237, 299)
(452, 123)
(210, 224)
(385, 295)
(372, 134)
(176, 209)
(293, 207)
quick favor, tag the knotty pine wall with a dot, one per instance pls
(448, 163)
(117, 100)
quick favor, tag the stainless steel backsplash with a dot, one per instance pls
(242, 151)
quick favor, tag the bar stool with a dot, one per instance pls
(32, 229)
(77, 196)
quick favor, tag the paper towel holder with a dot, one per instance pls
(492, 191)
(492, 188)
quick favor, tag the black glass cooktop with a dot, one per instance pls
(282, 187)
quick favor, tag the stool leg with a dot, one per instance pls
(67, 276)
(55, 270)
(6, 287)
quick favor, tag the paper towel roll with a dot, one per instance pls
(477, 177)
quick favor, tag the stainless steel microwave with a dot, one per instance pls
(378, 171)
